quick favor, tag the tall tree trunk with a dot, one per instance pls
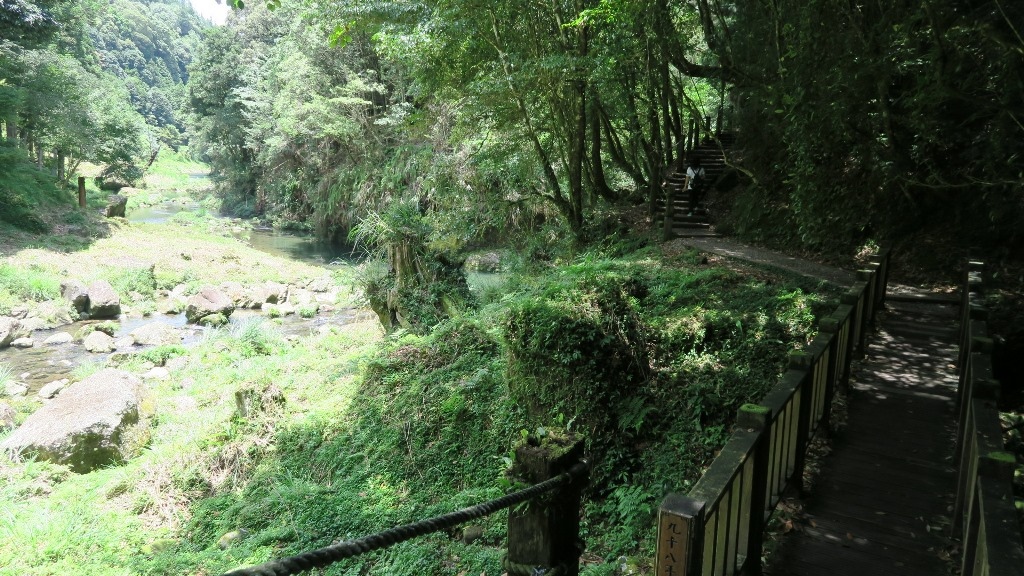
(597, 176)
(12, 127)
(576, 158)
(60, 166)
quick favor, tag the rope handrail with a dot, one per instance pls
(331, 554)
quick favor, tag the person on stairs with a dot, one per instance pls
(696, 183)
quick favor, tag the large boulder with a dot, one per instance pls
(75, 292)
(115, 206)
(84, 427)
(103, 300)
(208, 301)
(10, 330)
(156, 334)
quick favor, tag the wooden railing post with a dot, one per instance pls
(855, 297)
(882, 260)
(992, 533)
(838, 325)
(680, 536)
(545, 533)
(81, 191)
(974, 438)
(872, 277)
(757, 418)
(803, 362)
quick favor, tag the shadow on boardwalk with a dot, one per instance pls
(882, 500)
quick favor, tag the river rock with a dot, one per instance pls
(208, 301)
(23, 343)
(124, 343)
(321, 284)
(20, 311)
(238, 294)
(75, 292)
(172, 305)
(14, 389)
(7, 417)
(213, 320)
(10, 330)
(48, 315)
(269, 293)
(300, 297)
(103, 300)
(115, 206)
(29, 325)
(59, 338)
(157, 373)
(52, 389)
(110, 183)
(156, 334)
(84, 427)
(99, 342)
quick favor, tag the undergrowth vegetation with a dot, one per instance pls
(648, 359)
(264, 446)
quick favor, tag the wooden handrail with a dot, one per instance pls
(718, 527)
(984, 514)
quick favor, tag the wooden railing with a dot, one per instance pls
(718, 527)
(984, 515)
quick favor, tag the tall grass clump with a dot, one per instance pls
(19, 283)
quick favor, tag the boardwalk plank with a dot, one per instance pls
(880, 504)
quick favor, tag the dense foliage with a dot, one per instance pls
(877, 120)
(325, 112)
(87, 81)
(856, 122)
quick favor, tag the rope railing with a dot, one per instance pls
(350, 548)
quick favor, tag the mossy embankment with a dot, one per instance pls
(348, 432)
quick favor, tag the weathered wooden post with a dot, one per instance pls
(680, 536)
(839, 325)
(81, 191)
(882, 260)
(855, 297)
(870, 275)
(544, 535)
(756, 418)
(802, 362)
(992, 544)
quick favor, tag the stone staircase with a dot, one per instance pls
(683, 223)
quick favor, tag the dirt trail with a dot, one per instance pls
(733, 249)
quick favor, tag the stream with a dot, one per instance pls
(43, 363)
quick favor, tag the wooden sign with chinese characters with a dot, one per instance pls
(679, 528)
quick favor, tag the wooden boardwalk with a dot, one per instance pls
(882, 501)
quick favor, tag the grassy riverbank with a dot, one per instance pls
(647, 354)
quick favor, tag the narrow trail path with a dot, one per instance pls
(733, 249)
